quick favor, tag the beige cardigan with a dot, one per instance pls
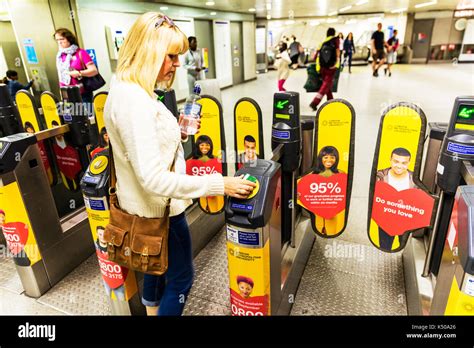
(145, 137)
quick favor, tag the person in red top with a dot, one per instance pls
(103, 142)
(73, 63)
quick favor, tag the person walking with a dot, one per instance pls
(349, 50)
(11, 80)
(294, 52)
(378, 53)
(327, 63)
(282, 63)
(392, 46)
(73, 63)
(146, 141)
(193, 63)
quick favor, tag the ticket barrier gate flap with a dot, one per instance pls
(58, 245)
(454, 291)
(254, 240)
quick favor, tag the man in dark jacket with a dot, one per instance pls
(13, 85)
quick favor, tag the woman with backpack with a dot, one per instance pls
(327, 63)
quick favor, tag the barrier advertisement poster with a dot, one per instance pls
(208, 155)
(398, 203)
(324, 191)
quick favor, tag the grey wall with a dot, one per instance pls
(444, 32)
(11, 51)
(204, 35)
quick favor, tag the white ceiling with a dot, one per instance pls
(309, 8)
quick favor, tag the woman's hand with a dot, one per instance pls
(184, 135)
(74, 74)
(238, 187)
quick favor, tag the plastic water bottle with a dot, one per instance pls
(192, 112)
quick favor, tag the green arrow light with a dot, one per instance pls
(281, 104)
(466, 113)
(161, 97)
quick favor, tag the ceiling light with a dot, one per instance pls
(362, 2)
(424, 4)
(163, 8)
(269, 16)
(252, 9)
(269, 6)
(332, 13)
(213, 13)
(347, 8)
(398, 10)
(210, 3)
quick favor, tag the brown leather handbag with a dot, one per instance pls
(138, 243)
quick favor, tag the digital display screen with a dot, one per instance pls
(465, 114)
(246, 207)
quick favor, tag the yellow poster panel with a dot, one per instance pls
(119, 283)
(99, 104)
(334, 138)
(27, 111)
(211, 131)
(248, 135)
(249, 280)
(401, 129)
(459, 303)
(50, 110)
(16, 226)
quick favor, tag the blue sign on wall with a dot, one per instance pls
(93, 56)
(31, 56)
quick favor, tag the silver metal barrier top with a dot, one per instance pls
(467, 171)
(51, 133)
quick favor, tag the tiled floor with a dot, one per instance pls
(432, 87)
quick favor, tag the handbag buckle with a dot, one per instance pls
(144, 256)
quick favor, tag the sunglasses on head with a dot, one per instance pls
(162, 20)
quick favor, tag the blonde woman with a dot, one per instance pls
(146, 140)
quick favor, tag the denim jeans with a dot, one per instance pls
(170, 290)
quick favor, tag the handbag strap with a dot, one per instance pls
(113, 181)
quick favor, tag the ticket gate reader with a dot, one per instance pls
(286, 130)
(9, 116)
(254, 242)
(45, 247)
(454, 291)
(457, 147)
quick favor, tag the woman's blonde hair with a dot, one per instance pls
(145, 48)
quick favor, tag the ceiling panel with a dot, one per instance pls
(309, 8)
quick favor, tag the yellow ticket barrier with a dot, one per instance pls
(30, 120)
(99, 104)
(325, 190)
(67, 157)
(209, 150)
(248, 132)
(398, 201)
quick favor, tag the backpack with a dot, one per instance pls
(327, 54)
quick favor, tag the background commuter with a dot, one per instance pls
(327, 62)
(11, 80)
(295, 48)
(193, 63)
(378, 52)
(341, 41)
(282, 63)
(392, 47)
(146, 141)
(73, 63)
(349, 50)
